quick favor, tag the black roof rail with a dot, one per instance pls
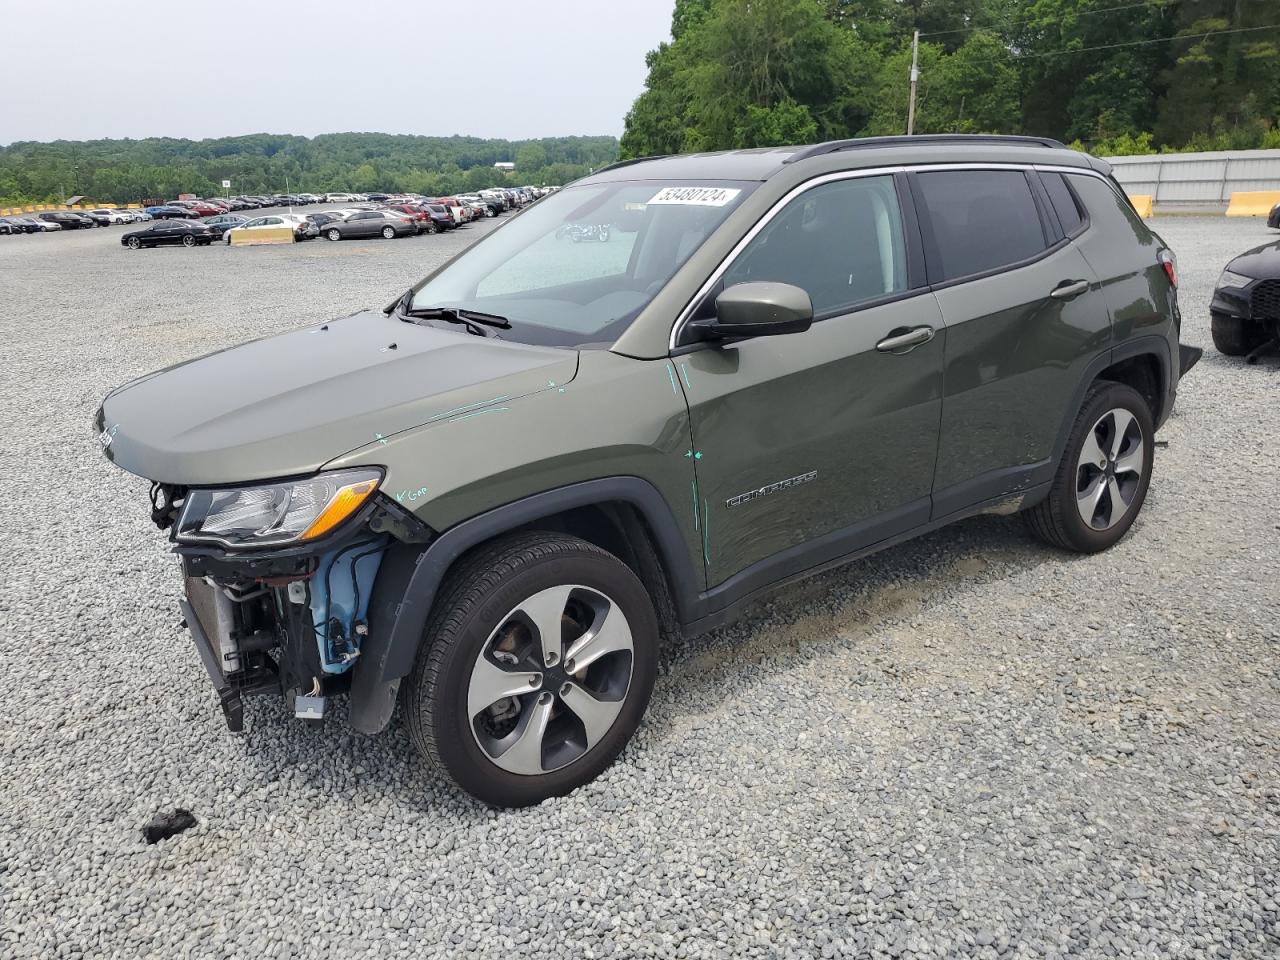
(835, 146)
(626, 163)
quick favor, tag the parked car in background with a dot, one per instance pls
(440, 217)
(1244, 314)
(165, 233)
(416, 213)
(371, 223)
(67, 220)
(36, 225)
(168, 211)
(224, 222)
(112, 216)
(320, 219)
(1273, 219)
(9, 228)
(339, 198)
(198, 208)
(303, 229)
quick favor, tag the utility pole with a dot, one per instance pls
(915, 76)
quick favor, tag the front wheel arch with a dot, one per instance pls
(405, 592)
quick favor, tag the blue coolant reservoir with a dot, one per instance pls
(340, 591)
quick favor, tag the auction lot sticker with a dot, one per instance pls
(696, 196)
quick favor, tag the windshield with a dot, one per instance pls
(577, 267)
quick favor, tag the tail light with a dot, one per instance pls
(1170, 264)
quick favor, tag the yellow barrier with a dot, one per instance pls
(1143, 204)
(1252, 203)
(246, 238)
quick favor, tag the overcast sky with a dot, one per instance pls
(88, 69)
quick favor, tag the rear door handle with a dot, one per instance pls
(1069, 289)
(904, 339)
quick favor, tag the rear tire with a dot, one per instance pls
(1103, 476)
(188, 241)
(333, 235)
(489, 608)
(1233, 336)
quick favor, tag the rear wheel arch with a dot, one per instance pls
(1145, 373)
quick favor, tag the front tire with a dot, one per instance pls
(1234, 336)
(188, 241)
(1102, 479)
(388, 233)
(135, 243)
(539, 659)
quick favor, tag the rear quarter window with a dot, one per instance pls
(980, 220)
(1064, 203)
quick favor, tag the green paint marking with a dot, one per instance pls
(479, 413)
(469, 406)
(694, 486)
(671, 374)
(685, 376)
(706, 534)
(698, 455)
(688, 453)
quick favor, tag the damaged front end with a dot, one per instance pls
(280, 578)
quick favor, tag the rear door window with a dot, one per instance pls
(981, 220)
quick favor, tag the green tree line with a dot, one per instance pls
(120, 171)
(1119, 76)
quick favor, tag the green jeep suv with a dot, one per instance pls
(491, 499)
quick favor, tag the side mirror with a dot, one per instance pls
(758, 309)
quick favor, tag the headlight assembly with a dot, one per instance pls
(276, 513)
(1229, 279)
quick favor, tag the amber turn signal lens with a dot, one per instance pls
(344, 503)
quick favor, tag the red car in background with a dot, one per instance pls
(198, 208)
(420, 217)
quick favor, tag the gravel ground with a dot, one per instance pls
(967, 746)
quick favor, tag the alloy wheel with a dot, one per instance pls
(188, 241)
(550, 680)
(1109, 471)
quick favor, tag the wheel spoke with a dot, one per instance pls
(1118, 503)
(1131, 462)
(525, 753)
(490, 683)
(611, 634)
(1091, 453)
(1120, 421)
(597, 715)
(1089, 498)
(546, 609)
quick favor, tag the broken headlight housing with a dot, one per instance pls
(273, 514)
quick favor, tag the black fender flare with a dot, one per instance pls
(1153, 344)
(405, 592)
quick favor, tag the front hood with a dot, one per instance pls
(287, 404)
(1260, 263)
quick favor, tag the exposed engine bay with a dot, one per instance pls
(289, 620)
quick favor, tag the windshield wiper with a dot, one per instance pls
(458, 315)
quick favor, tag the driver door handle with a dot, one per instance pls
(1069, 289)
(903, 339)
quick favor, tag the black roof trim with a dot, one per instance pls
(626, 163)
(976, 139)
